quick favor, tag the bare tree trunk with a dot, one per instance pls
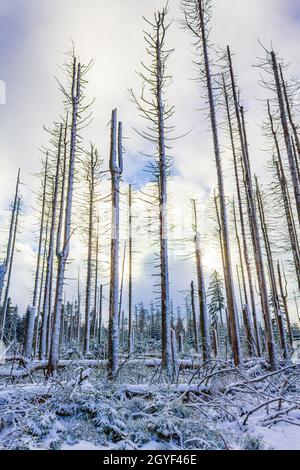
(245, 308)
(96, 311)
(130, 322)
(215, 340)
(275, 297)
(252, 214)
(240, 206)
(195, 323)
(162, 190)
(157, 111)
(200, 12)
(289, 113)
(78, 306)
(100, 312)
(50, 313)
(284, 295)
(64, 253)
(286, 201)
(122, 283)
(204, 323)
(287, 137)
(116, 169)
(4, 266)
(11, 259)
(91, 203)
(174, 354)
(49, 265)
(32, 311)
(37, 328)
(297, 308)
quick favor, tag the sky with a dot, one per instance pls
(35, 34)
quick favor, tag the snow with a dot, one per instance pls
(281, 436)
(83, 445)
(219, 408)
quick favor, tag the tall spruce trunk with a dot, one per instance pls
(130, 322)
(195, 323)
(41, 288)
(91, 203)
(253, 222)
(78, 306)
(229, 284)
(4, 266)
(96, 310)
(283, 294)
(64, 252)
(241, 212)
(11, 259)
(286, 134)
(116, 169)
(258, 255)
(122, 284)
(100, 312)
(163, 222)
(204, 323)
(286, 200)
(252, 345)
(49, 264)
(274, 291)
(32, 311)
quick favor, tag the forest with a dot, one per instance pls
(94, 359)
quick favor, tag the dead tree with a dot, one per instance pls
(96, 310)
(116, 170)
(100, 312)
(286, 133)
(204, 323)
(291, 118)
(284, 296)
(195, 323)
(252, 217)
(11, 259)
(259, 262)
(75, 101)
(130, 322)
(197, 16)
(41, 288)
(50, 256)
(32, 311)
(274, 290)
(122, 283)
(156, 110)
(283, 183)
(78, 307)
(245, 307)
(4, 266)
(246, 257)
(91, 168)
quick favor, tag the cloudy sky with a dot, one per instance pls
(34, 34)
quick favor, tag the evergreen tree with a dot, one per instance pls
(216, 297)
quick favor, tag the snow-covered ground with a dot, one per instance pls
(282, 436)
(219, 407)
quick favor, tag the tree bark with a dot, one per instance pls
(286, 134)
(116, 169)
(204, 323)
(64, 253)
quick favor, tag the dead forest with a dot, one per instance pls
(216, 370)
